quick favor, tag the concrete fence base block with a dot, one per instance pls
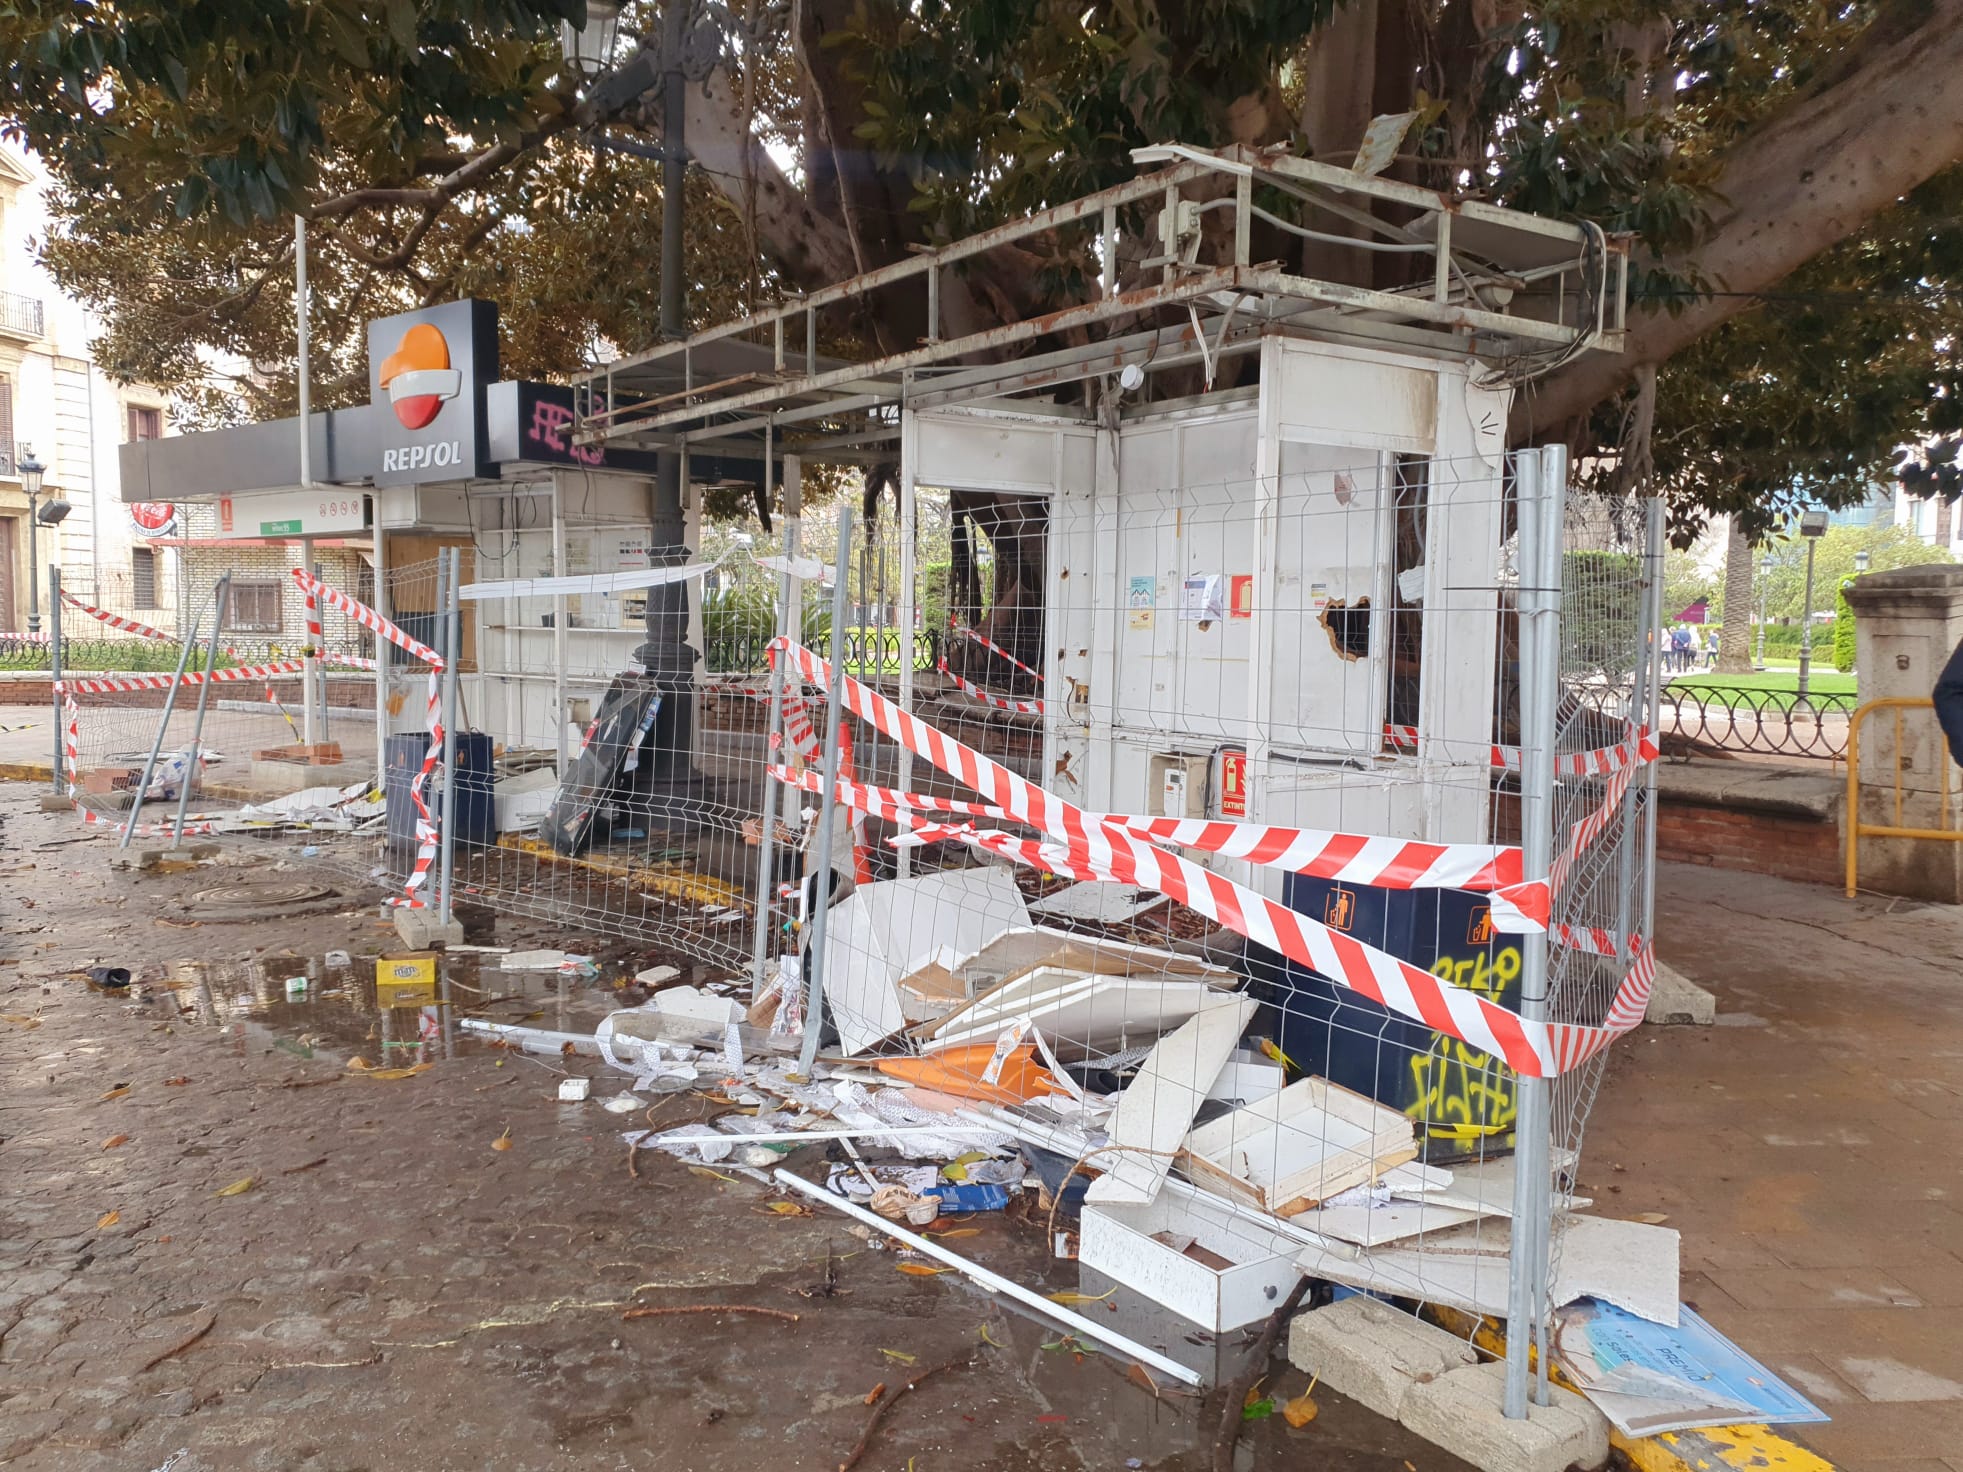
(1372, 1353)
(1461, 1412)
(1675, 998)
(421, 931)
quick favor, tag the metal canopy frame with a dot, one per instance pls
(1519, 292)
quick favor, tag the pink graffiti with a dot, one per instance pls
(549, 422)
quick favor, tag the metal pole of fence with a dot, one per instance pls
(773, 728)
(170, 706)
(309, 730)
(197, 723)
(452, 652)
(54, 662)
(909, 597)
(383, 604)
(1539, 616)
(320, 664)
(1652, 693)
(559, 654)
(814, 967)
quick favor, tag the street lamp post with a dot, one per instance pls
(38, 516)
(1765, 571)
(1812, 526)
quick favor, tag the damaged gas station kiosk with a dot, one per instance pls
(1186, 762)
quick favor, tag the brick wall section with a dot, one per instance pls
(351, 692)
(1805, 849)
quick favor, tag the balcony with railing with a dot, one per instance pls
(9, 457)
(21, 316)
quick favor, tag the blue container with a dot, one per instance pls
(1463, 1099)
(970, 1198)
(477, 817)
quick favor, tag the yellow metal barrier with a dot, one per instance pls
(1856, 829)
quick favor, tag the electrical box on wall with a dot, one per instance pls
(1176, 785)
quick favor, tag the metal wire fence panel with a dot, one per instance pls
(1177, 828)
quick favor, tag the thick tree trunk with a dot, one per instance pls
(1801, 182)
(1735, 638)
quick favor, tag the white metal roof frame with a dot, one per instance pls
(1518, 291)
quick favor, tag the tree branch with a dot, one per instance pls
(1808, 177)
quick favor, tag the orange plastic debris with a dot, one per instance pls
(959, 1071)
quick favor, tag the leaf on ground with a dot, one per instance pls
(873, 1395)
(114, 1140)
(19, 1019)
(961, 1232)
(1067, 1298)
(1653, 1218)
(1142, 1378)
(115, 1093)
(1259, 1411)
(1299, 1411)
(386, 1075)
(503, 1141)
(786, 1208)
(237, 1188)
(360, 1064)
(176, 1083)
(714, 1175)
(899, 1356)
(107, 1220)
(919, 1270)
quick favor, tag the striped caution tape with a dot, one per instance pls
(428, 834)
(1638, 748)
(1000, 702)
(1076, 844)
(362, 614)
(116, 620)
(1389, 863)
(994, 648)
(122, 684)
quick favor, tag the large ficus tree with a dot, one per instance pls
(1785, 166)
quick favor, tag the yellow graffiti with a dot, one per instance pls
(1459, 1091)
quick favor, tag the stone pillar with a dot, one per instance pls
(1906, 624)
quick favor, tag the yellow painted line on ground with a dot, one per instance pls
(1709, 1449)
(26, 772)
(670, 883)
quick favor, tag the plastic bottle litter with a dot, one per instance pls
(296, 986)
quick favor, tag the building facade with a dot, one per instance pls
(58, 403)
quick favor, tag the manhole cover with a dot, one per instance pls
(267, 901)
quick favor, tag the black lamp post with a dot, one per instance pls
(31, 471)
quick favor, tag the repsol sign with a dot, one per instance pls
(423, 457)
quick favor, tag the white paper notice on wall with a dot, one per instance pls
(1204, 599)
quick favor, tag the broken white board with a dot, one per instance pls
(1082, 1016)
(1311, 1141)
(1628, 1264)
(886, 930)
(1156, 1109)
(1095, 900)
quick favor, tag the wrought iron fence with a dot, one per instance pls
(869, 651)
(137, 656)
(1770, 722)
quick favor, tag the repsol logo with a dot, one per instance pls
(423, 457)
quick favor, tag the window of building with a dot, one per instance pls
(143, 578)
(146, 422)
(253, 608)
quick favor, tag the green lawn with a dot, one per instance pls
(1782, 686)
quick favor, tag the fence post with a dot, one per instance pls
(197, 724)
(54, 663)
(772, 729)
(909, 596)
(814, 966)
(1539, 605)
(1652, 692)
(163, 724)
(452, 654)
(383, 605)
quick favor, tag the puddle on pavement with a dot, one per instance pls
(326, 1005)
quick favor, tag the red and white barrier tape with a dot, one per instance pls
(116, 620)
(1077, 845)
(428, 835)
(994, 648)
(124, 683)
(362, 614)
(1387, 863)
(1000, 702)
(1603, 761)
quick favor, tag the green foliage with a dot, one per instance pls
(1601, 595)
(1843, 632)
(1833, 563)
